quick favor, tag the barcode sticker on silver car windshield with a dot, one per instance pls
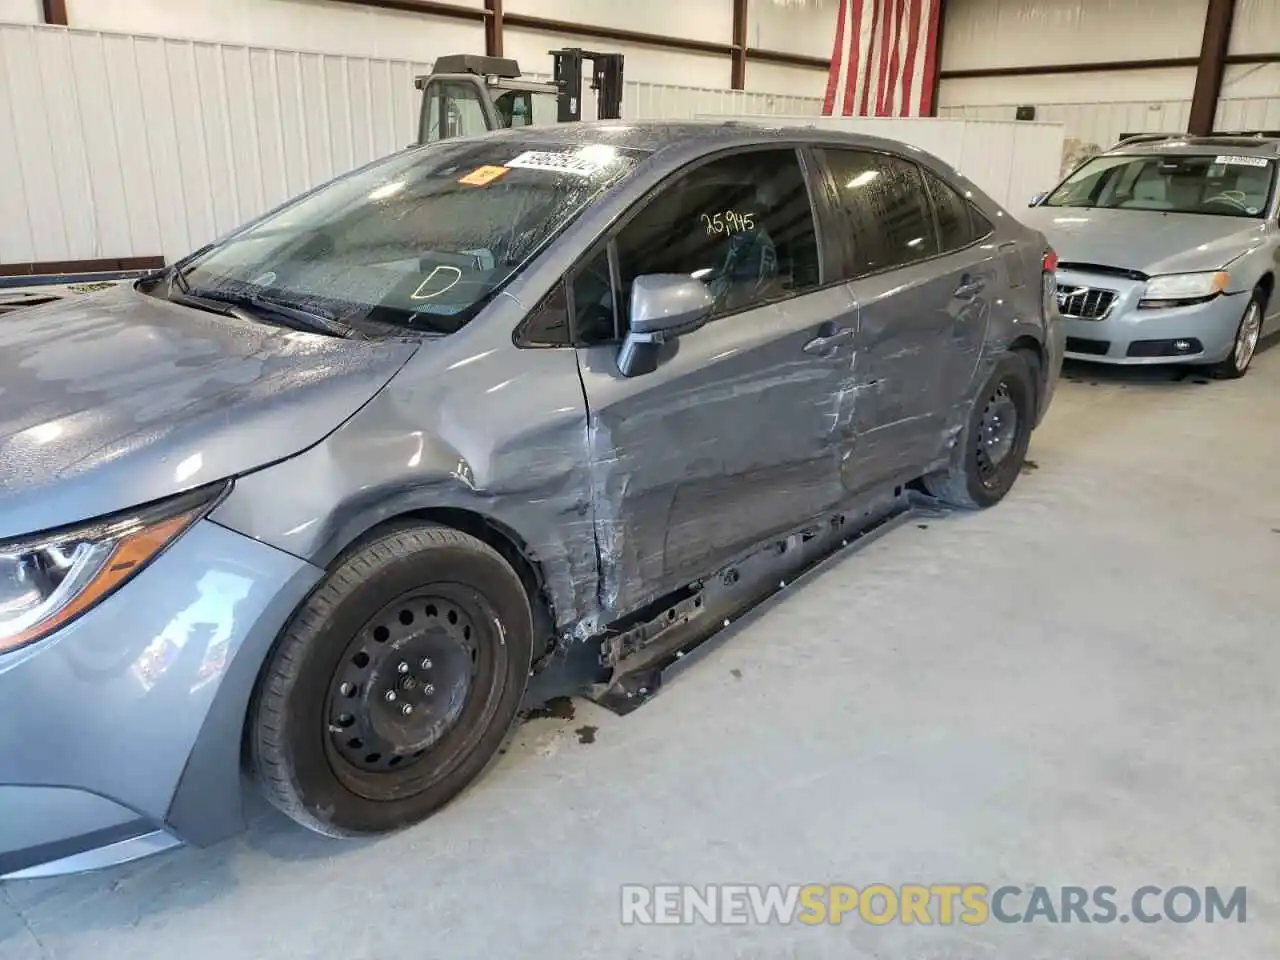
(1243, 161)
(559, 162)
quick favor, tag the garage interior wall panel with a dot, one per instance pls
(1095, 108)
(1009, 160)
(1250, 97)
(807, 29)
(317, 25)
(710, 20)
(134, 145)
(796, 81)
(21, 11)
(1255, 29)
(986, 34)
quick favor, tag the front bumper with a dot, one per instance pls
(123, 729)
(1129, 336)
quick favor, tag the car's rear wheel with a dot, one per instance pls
(1245, 345)
(394, 684)
(993, 445)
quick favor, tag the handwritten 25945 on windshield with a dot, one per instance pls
(728, 222)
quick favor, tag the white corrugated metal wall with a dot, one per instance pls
(1097, 106)
(159, 145)
(1251, 91)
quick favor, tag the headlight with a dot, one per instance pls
(48, 580)
(1183, 287)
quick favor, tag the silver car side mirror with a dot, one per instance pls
(663, 307)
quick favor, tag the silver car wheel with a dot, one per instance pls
(1247, 338)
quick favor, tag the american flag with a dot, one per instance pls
(884, 58)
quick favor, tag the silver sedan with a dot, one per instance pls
(1167, 252)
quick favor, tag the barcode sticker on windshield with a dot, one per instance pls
(559, 162)
(1243, 161)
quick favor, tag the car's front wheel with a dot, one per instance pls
(993, 444)
(394, 684)
(1245, 345)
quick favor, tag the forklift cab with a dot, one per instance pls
(465, 95)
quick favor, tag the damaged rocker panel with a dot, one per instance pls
(631, 660)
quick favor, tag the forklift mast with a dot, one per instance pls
(606, 80)
(467, 94)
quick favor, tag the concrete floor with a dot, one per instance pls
(1075, 688)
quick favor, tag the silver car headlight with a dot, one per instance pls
(1181, 288)
(49, 579)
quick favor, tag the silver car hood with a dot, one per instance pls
(118, 399)
(1147, 241)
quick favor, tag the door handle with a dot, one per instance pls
(969, 288)
(826, 343)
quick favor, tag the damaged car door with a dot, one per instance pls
(715, 438)
(924, 283)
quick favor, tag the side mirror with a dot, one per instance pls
(664, 306)
(1035, 201)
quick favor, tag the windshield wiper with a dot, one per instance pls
(268, 309)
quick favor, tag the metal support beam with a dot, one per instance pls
(738, 72)
(493, 28)
(1213, 58)
(55, 12)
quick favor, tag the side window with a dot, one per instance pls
(981, 225)
(742, 224)
(547, 325)
(960, 223)
(956, 227)
(885, 208)
(594, 318)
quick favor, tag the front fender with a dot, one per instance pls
(516, 460)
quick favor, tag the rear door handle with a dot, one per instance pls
(969, 288)
(831, 339)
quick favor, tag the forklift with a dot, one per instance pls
(467, 94)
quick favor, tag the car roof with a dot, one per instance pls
(692, 137)
(1176, 145)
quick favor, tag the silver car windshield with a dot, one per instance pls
(1219, 185)
(421, 240)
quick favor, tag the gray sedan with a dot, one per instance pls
(481, 423)
(1168, 252)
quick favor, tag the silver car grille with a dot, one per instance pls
(1085, 303)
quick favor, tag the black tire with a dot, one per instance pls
(1232, 368)
(974, 480)
(324, 754)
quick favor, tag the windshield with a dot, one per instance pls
(421, 240)
(1217, 185)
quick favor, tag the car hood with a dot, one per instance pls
(1147, 241)
(117, 399)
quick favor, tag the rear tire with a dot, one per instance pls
(1245, 344)
(993, 445)
(394, 684)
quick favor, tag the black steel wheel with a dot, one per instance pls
(394, 684)
(994, 444)
(997, 434)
